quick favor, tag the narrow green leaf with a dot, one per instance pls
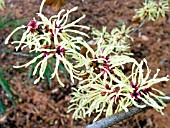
(5, 85)
(48, 73)
(2, 108)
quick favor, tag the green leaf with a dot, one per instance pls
(30, 74)
(2, 108)
(5, 85)
(6, 21)
(48, 73)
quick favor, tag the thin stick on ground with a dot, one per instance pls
(116, 118)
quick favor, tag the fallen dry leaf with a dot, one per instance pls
(55, 5)
(136, 20)
(144, 38)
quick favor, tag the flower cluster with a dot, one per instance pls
(117, 37)
(117, 93)
(152, 10)
(1, 4)
(52, 39)
(103, 86)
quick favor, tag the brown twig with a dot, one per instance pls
(141, 24)
(15, 53)
(116, 118)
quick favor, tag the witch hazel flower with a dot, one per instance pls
(2, 3)
(58, 54)
(59, 27)
(52, 39)
(103, 61)
(162, 7)
(98, 97)
(138, 88)
(152, 10)
(61, 54)
(141, 87)
(116, 39)
(103, 66)
(55, 27)
(121, 34)
(119, 93)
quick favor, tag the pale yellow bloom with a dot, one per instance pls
(97, 95)
(2, 4)
(52, 38)
(152, 10)
(116, 39)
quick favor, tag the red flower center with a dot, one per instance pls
(60, 51)
(32, 25)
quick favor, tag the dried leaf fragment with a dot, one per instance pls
(55, 5)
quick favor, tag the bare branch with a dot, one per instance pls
(141, 24)
(116, 118)
(15, 53)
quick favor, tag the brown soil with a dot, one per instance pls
(40, 107)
